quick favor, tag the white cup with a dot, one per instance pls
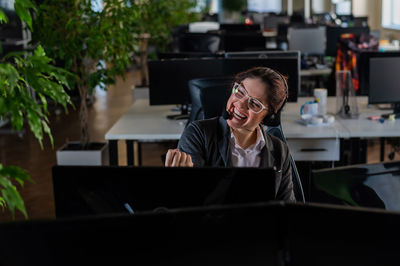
(321, 94)
(309, 108)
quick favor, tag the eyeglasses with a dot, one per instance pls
(240, 93)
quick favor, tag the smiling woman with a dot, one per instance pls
(238, 139)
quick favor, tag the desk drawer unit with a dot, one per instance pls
(314, 149)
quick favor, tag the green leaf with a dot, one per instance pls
(14, 200)
(9, 195)
(15, 172)
(3, 17)
(46, 129)
(23, 13)
(10, 73)
(39, 51)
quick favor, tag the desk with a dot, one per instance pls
(315, 72)
(145, 123)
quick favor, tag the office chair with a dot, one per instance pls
(209, 97)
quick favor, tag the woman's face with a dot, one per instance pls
(242, 117)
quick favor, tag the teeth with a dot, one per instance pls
(239, 114)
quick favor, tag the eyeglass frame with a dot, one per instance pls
(235, 88)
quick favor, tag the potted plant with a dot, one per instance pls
(232, 9)
(153, 26)
(96, 45)
(24, 75)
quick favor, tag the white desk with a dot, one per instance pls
(145, 123)
(315, 72)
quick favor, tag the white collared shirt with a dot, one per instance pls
(249, 157)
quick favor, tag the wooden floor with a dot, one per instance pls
(107, 108)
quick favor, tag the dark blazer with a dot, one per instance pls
(207, 142)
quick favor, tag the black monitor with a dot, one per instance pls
(258, 234)
(271, 22)
(234, 236)
(384, 80)
(181, 55)
(243, 41)
(264, 54)
(333, 35)
(308, 40)
(239, 27)
(169, 78)
(85, 190)
(364, 185)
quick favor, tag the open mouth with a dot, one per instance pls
(238, 115)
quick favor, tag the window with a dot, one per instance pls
(391, 14)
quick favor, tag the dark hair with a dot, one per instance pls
(276, 85)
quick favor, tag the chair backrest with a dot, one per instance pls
(199, 42)
(297, 187)
(208, 96)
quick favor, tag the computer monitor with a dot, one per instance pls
(233, 41)
(176, 55)
(85, 190)
(264, 54)
(308, 40)
(384, 81)
(333, 35)
(364, 185)
(258, 234)
(239, 27)
(271, 22)
(168, 79)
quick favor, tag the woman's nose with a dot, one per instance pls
(243, 103)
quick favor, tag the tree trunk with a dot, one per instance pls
(143, 45)
(83, 116)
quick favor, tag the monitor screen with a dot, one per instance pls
(239, 27)
(81, 191)
(364, 185)
(384, 80)
(271, 22)
(308, 40)
(333, 35)
(169, 78)
(263, 54)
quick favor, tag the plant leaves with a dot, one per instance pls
(3, 17)
(15, 172)
(23, 13)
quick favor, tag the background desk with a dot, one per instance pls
(145, 123)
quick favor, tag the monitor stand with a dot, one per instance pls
(396, 112)
(183, 115)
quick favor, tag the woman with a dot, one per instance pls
(238, 139)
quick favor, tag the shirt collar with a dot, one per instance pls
(260, 142)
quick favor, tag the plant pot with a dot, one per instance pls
(72, 154)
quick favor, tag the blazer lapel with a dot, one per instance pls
(267, 153)
(224, 146)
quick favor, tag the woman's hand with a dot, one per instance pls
(178, 158)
